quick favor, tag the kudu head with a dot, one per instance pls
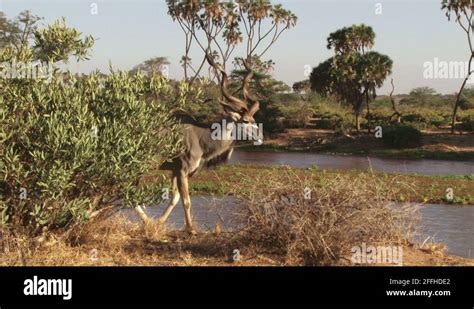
(240, 111)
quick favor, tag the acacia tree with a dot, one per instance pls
(422, 94)
(462, 11)
(220, 27)
(263, 84)
(156, 65)
(354, 73)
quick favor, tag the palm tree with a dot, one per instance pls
(355, 72)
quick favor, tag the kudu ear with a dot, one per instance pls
(233, 115)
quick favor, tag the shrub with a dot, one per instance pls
(466, 104)
(401, 136)
(332, 114)
(68, 149)
(270, 115)
(321, 230)
(467, 121)
(202, 101)
(424, 118)
(296, 114)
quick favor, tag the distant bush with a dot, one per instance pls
(270, 115)
(380, 116)
(467, 121)
(285, 98)
(202, 101)
(332, 114)
(327, 124)
(401, 136)
(296, 115)
(425, 118)
(466, 104)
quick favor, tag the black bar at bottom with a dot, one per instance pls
(194, 285)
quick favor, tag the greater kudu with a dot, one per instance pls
(202, 150)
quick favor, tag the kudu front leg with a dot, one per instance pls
(184, 191)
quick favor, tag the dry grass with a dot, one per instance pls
(322, 227)
(116, 241)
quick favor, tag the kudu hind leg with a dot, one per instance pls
(184, 191)
(174, 200)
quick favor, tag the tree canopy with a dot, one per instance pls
(354, 73)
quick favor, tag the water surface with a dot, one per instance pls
(305, 160)
(449, 224)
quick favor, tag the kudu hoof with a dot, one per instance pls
(191, 231)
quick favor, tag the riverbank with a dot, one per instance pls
(294, 231)
(436, 145)
(407, 188)
(119, 242)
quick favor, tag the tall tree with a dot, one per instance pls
(355, 72)
(462, 11)
(219, 27)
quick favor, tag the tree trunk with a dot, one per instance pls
(456, 104)
(394, 105)
(357, 120)
(368, 113)
(458, 97)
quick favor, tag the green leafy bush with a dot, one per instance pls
(297, 114)
(467, 120)
(401, 136)
(270, 115)
(425, 118)
(203, 101)
(332, 115)
(70, 148)
(466, 104)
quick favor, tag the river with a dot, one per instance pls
(305, 160)
(449, 224)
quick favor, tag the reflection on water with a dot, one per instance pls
(304, 160)
(452, 225)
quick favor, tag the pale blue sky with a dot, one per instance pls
(411, 32)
